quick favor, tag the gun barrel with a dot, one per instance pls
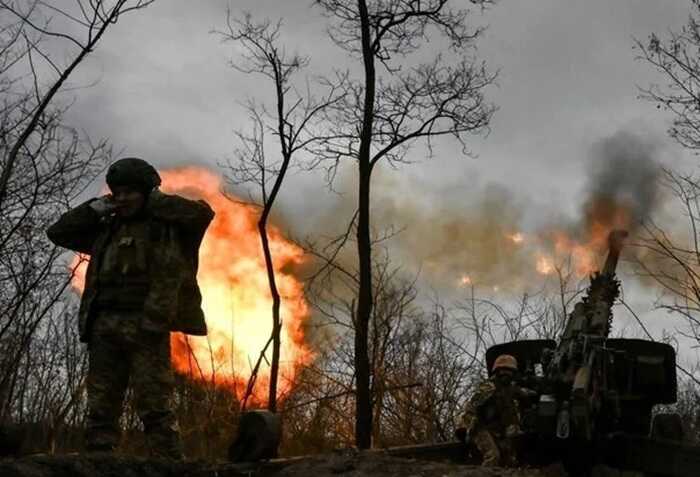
(616, 240)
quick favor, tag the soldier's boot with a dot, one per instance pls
(490, 452)
(163, 435)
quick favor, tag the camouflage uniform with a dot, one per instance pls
(122, 352)
(140, 285)
(491, 417)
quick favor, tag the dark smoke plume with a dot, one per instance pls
(624, 176)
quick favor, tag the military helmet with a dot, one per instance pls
(133, 172)
(505, 361)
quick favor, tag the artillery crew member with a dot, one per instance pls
(140, 285)
(491, 419)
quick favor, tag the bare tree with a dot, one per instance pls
(688, 406)
(33, 277)
(426, 350)
(291, 121)
(45, 166)
(421, 375)
(670, 256)
(31, 25)
(541, 314)
(671, 259)
(389, 109)
(46, 392)
(675, 57)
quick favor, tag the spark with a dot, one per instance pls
(517, 238)
(545, 265)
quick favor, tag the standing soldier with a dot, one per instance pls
(491, 419)
(140, 285)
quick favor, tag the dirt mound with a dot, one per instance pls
(341, 464)
(349, 464)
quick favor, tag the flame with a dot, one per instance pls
(584, 253)
(465, 280)
(235, 294)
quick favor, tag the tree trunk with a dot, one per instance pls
(363, 417)
(276, 324)
(363, 401)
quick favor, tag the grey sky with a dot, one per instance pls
(568, 78)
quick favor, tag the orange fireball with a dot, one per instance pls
(235, 293)
(584, 251)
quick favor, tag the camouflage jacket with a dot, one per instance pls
(177, 226)
(492, 408)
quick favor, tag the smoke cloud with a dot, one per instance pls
(478, 234)
(623, 179)
(463, 232)
(473, 240)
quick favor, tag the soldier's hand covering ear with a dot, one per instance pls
(103, 205)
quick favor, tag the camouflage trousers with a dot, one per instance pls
(122, 354)
(495, 450)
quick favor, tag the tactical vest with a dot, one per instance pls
(123, 276)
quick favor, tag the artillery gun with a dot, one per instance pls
(594, 395)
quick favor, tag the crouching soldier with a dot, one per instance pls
(491, 419)
(140, 285)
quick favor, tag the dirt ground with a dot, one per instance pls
(339, 464)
